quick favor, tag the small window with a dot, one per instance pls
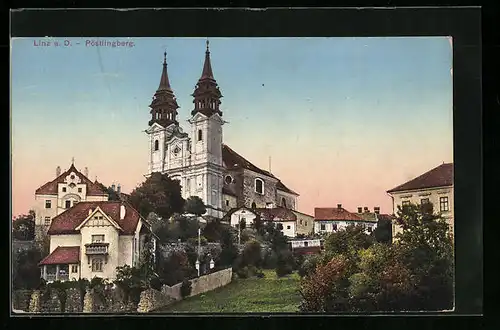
(259, 186)
(74, 268)
(228, 179)
(200, 135)
(63, 189)
(47, 221)
(68, 204)
(227, 202)
(283, 202)
(443, 204)
(424, 201)
(254, 206)
(405, 204)
(306, 223)
(97, 238)
(306, 244)
(323, 227)
(97, 265)
(300, 221)
(334, 226)
(157, 145)
(369, 229)
(48, 204)
(79, 190)
(288, 227)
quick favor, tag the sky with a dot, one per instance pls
(343, 120)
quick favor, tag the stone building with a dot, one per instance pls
(198, 158)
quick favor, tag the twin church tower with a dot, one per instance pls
(194, 158)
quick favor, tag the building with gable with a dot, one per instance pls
(434, 186)
(331, 219)
(66, 190)
(198, 158)
(92, 239)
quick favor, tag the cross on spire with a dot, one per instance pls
(72, 160)
(208, 42)
(165, 57)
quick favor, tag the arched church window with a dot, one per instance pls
(157, 145)
(259, 186)
(254, 205)
(200, 135)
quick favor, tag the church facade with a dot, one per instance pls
(205, 166)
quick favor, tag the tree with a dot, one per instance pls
(23, 227)
(348, 241)
(383, 232)
(27, 274)
(213, 230)
(175, 268)
(251, 255)
(194, 205)
(229, 250)
(159, 194)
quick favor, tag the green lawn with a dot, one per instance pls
(268, 294)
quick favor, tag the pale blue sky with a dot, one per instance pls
(383, 102)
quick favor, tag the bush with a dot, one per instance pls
(62, 293)
(186, 288)
(260, 274)
(284, 263)
(270, 259)
(155, 283)
(243, 272)
(252, 254)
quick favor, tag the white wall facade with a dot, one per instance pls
(289, 228)
(334, 226)
(240, 215)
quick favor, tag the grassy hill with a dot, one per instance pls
(252, 295)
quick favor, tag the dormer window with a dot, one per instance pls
(68, 204)
(259, 186)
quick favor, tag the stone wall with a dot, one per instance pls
(249, 194)
(201, 284)
(152, 299)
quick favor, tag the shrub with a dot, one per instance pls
(186, 288)
(284, 263)
(260, 274)
(252, 254)
(242, 272)
(270, 259)
(62, 293)
(155, 283)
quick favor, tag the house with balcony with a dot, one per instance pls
(332, 219)
(434, 186)
(91, 239)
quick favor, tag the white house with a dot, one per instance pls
(92, 239)
(434, 186)
(331, 219)
(65, 191)
(286, 217)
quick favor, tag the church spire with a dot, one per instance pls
(164, 105)
(164, 82)
(207, 66)
(207, 94)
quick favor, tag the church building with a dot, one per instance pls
(205, 166)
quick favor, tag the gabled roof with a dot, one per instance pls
(232, 161)
(62, 255)
(50, 188)
(335, 214)
(368, 216)
(440, 176)
(69, 220)
(275, 214)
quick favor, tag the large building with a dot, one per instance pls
(67, 189)
(204, 165)
(92, 239)
(332, 219)
(434, 186)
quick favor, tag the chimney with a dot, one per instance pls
(339, 206)
(360, 209)
(58, 171)
(122, 212)
(376, 209)
(366, 209)
(113, 187)
(118, 188)
(86, 172)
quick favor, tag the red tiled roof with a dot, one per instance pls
(335, 214)
(66, 222)
(50, 188)
(275, 214)
(63, 255)
(440, 176)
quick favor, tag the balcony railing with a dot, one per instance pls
(53, 277)
(96, 248)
